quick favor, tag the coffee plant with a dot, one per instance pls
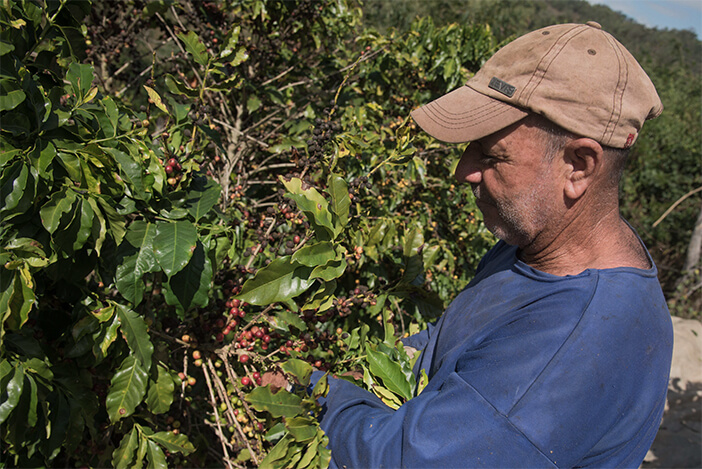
(204, 202)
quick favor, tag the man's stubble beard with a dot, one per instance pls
(518, 220)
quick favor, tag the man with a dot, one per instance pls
(557, 354)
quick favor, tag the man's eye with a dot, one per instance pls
(488, 159)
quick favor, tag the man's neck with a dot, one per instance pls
(585, 244)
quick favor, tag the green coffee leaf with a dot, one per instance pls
(131, 172)
(127, 389)
(156, 98)
(11, 99)
(107, 337)
(300, 369)
(322, 299)
(13, 182)
(388, 397)
(123, 455)
(173, 443)
(280, 404)
(315, 254)
(136, 334)
(17, 300)
(332, 270)
(189, 287)
(313, 204)
(302, 428)
(176, 87)
(203, 194)
(141, 452)
(310, 451)
(284, 319)
(80, 76)
(389, 372)
(194, 47)
(11, 395)
(174, 244)
(278, 452)
(340, 201)
(423, 381)
(157, 460)
(32, 413)
(160, 395)
(279, 281)
(138, 258)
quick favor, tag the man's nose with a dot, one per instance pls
(467, 169)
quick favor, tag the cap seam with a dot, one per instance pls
(617, 101)
(567, 37)
(445, 123)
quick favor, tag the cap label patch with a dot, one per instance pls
(503, 87)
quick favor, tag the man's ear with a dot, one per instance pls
(584, 160)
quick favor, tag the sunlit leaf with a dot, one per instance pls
(156, 99)
(10, 396)
(279, 281)
(139, 258)
(194, 46)
(280, 404)
(189, 287)
(389, 372)
(313, 255)
(174, 244)
(203, 194)
(173, 443)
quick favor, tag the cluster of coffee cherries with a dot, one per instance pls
(173, 171)
(321, 135)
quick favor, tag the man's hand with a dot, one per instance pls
(276, 379)
(410, 351)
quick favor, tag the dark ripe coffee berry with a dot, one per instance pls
(246, 381)
(256, 375)
(243, 358)
(236, 302)
(234, 311)
(172, 162)
(266, 338)
(169, 169)
(296, 239)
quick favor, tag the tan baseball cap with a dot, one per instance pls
(576, 75)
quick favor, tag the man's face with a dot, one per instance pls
(515, 188)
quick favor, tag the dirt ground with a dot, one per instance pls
(679, 440)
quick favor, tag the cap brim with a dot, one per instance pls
(464, 115)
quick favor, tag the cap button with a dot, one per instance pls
(594, 24)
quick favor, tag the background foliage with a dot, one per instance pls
(196, 193)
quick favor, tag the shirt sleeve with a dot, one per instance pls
(453, 426)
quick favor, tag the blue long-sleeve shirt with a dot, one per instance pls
(526, 369)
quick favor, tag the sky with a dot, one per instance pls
(671, 14)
